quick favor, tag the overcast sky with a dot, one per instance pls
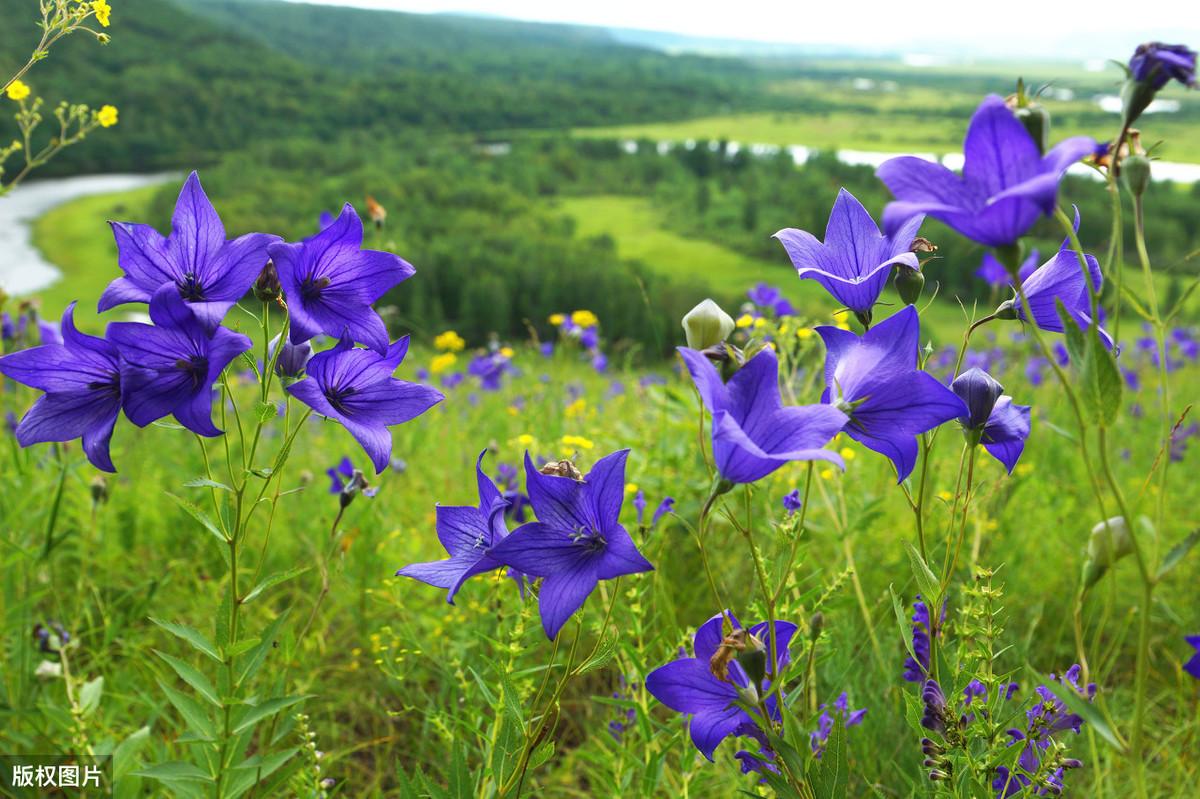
(1071, 29)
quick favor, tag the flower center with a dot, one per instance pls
(189, 288)
(312, 287)
(590, 540)
(337, 398)
(195, 366)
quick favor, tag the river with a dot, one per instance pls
(23, 269)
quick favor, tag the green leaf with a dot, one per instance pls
(89, 695)
(902, 620)
(251, 363)
(259, 654)
(1100, 380)
(265, 411)
(1076, 345)
(1178, 552)
(193, 714)
(604, 653)
(204, 482)
(265, 710)
(192, 676)
(175, 770)
(830, 776)
(274, 580)
(199, 516)
(192, 636)
(926, 581)
(1084, 709)
(127, 750)
(241, 647)
(256, 768)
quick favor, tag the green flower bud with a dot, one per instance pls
(1007, 310)
(1032, 116)
(1136, 171)
(909, 283)
(753, 660)
(1109, 542)
(706, 325)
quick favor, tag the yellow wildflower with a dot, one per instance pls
(1023, 469)
(577, 442)
(507, 352)
(449, 341)
(631, 488)
(804, 333)
(576, 408)
(584, 319)
(557, 319)
(17, 90)
(827, 474)
(847, 454)
(759, 322)
(945, 495)
(103, 11)
(107, 116)
(745, 320)
(441, 363)
(525, 440)
(513, 410)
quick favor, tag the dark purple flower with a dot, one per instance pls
(1005, 186)
(338, 475)
(490, 368)
(1192, 667)
(170, 367)
(639, 504)
(840, 710)
(578, 539)
(664, 507)
(1059, 280)
(330, 283)
(82, 381)
(689, 685)
(792, 501)
(874, 378)
(209, 273)
(468, 535)
(1002, 426)
(355, 387)
(8, 331)
(1158, 64)
(855, 260)
(996, 274)
(764, 295)
(292, 358)
(546, 348)
(935, 714)
(918, 669)
(753, 434)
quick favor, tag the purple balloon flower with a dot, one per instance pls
(1005, 186)
(468, 535)
(1002, 426)
(996, 274)
(689, 685)
(338, 475)
(1192, 667)
(753, 434)
(355, 387)
(207, 272)
(874, 378)
(170, 367)
(664, 507)
(854, 262)
(292, 358)
(1157, 64)
(330, 283)
(818, 738)
(1060, 280)
(81, 378)
(792, 501)
(578, 539)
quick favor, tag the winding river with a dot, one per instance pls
(23, 269)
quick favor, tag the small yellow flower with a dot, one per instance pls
(576, 408)
(745, 320)
(760, 323)
(577, 442)
(945, 495)
(107, 116)
(827, 474)
(103, 11)
(557, 319)
(1023, 469)
(513, 410)
(584, 319)
(847, 454)
(804, 333)
(525, 440)
(17, 90)
(507, 352)
(449, 341)
(631, 488)
(441, 363)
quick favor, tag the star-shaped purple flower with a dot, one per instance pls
(875, 380)
(468, 534)
(753, 434)
(330, 283)
(355, 386)
(1059, 279)
(577, 540)
(170, 367)
(688, 685)
(208, 272)
(1002, 425)
(82, 381)
(1005, 186)
(855, 260)
(1157, 64)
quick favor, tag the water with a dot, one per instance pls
(23, 269)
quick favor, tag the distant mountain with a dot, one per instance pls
(197, 78)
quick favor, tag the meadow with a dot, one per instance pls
(813, 509)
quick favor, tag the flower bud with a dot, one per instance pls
(706, 325)
(909, 283)
(1110, 541)
(753, 660)
(354, 486)
(815, 625)
(266, 287)
(293, 358)
(1136, 171)
(99, 489)
(979, 391)
(1033, 116)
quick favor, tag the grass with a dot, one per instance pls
(399, 681)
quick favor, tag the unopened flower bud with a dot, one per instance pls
(99, 489)
(706, 325)
(815, 625)
(753, 660)
(354, 486)
(1007, 310)
(909, 283)
(1109, 542)
(293, 358)
(1033, 116)
(1136, 171)
(266, 287)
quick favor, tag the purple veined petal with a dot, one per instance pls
(223, 347)
(910, 405)
(802, 247)
(343, 365)
(857, 365)
(343, 316)
(709, 635)
(462, 530)
(439, 573)
(859, 293)
(900, 450)
(604, 490)
(391, 401)
(64, 417)
(232, 271)
(197, 234)
(754, 392)
(168, 310)
(564, 593)
(1005, 432)
(98, 437)
(287, 259)
(708, 382)
(621, 556)
(120, 291)
(491, 502)
(369, 274)
(539, 550)
(902, 235)
(922, 186)
(708, 729)
(50, 367)
(557, 501)
(148, 395)
(688, 686)
(741, 460)
(999, 152)
(375, 439)
(784, 632)
(147, 261)
(1060, 278)
(196, 413)
(97, 351)
(1067, 152)
(309, 392)
(479, 565)
(852, 239)
(396, 353)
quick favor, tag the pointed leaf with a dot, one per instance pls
(192, 636)
(192, 676)
(1179, 552)
(265, 710)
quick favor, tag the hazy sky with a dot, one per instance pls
(1072, 29)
